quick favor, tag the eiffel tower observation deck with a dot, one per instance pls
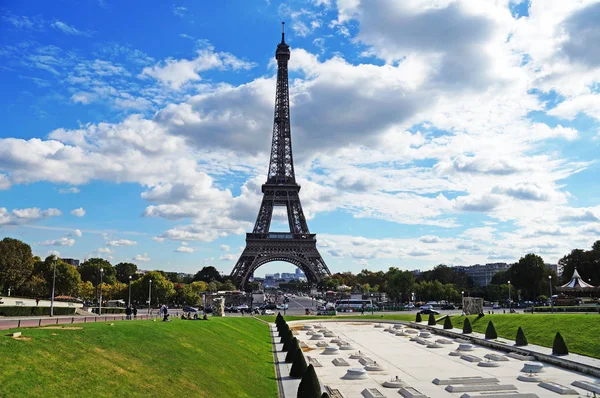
(296, 246)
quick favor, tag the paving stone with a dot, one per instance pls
(314, 362)
(558, 388)
(372, 393)
(465, 380)
(499, 395)
(340, 362)
(480, 387)
(366, 361)
(520, 357)
(411, 392)
(588, 386)
(496, 357)
(470, 358)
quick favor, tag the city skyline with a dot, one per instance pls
(454, 132)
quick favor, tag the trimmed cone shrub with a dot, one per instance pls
(448, 323)
(283, 330)
(299, 365)
(467, 326)
(559, 347)
(490, 332)
(325, 395)
(309, 385)
(520, 340)
(431, 320)
(289, 357)
(278, 319)
(418, 317)
(287, 339)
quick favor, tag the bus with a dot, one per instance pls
(353, 305)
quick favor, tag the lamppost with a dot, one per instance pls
(550, 283)
(53, 282)
(100, 304)
(129, 303)
(509, 298)
(149, 295)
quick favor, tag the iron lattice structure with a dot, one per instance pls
(298, 246)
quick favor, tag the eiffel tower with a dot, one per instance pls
(298, 246)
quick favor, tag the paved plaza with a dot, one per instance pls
(397, 351)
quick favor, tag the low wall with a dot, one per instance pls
(34, 311)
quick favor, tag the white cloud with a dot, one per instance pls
(141, 257)
(184, 249)
(121, 242)
(225, 248)
(65, 191)
(176, 73)
(179, 11)
(79, 212)
(228, 257)
(58, 242)
(25, 216)
(68, 29)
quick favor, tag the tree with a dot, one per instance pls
(559, 347)
(528, 274)
(418, 318)
(299, 365)
(67, 277)
(199, 287)
(467, 328)
(520, 340)
(34, 286)
(431, 320)
(86, 290)
(208, 274)
(162, 289)
(309, 385)
(124, 271)
(294, 346)
(227, 286)
(448, 323)
(90, 271)
(490, 332)
(174, 277)
(185, 295)
(399, 283)
(16, 263)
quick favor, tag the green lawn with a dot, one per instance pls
(580, 331)
(222, 357)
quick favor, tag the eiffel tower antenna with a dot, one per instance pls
(296, 246)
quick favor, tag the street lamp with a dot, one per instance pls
(100, 305)
(53, 282)
(129, 304)
(550, 283)
(509, 298)
(149, 295)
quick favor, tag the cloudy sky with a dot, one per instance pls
(424, 131)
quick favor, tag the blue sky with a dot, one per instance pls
(424, 132)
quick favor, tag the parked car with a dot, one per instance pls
(268, 312)
(429, 311)
(189, 309)
(448, 307)
(427, 307)
(410, 306)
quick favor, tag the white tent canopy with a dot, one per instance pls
(577, 282)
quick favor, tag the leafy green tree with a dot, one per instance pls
(528, 274)
(162, 289)
(16, 263)
(67, 277)
(199, 287)
(34, 286)
(208, 274)
(124, 271)
(185, 295)
(90, 271)
(399, 283)
(86, 290)
(227, 286)
(309, 385)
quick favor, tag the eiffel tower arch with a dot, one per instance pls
(296, 246)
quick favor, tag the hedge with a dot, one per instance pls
(110, 310)
(35, 311)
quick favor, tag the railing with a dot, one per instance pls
(65, 320)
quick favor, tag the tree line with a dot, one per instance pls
(26, 275)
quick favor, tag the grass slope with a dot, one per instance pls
(580, 331)
(224, 357)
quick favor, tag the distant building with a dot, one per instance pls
(482, 274)
(554, 267)
(71, 261)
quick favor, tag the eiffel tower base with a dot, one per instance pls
(298, 249)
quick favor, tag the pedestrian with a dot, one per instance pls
(37, 301)
(134, 312)
(128, 313)
(362, 309)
